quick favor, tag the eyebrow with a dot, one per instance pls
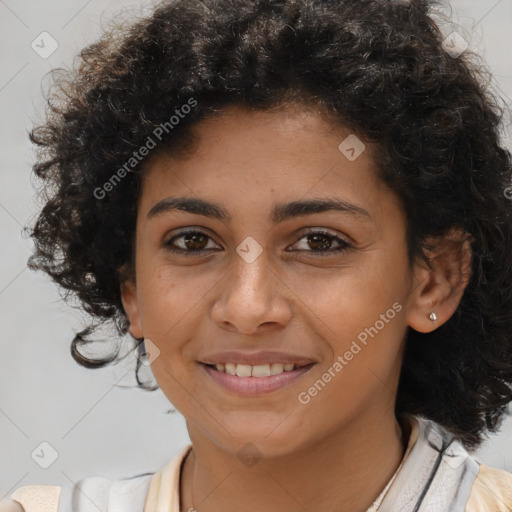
(280, 212)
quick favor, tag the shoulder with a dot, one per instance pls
(34, 497)
(100, 493)
(492, 490)
(91, 493)
(11, 506)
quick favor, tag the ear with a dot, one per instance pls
(439, 287)
(130, 301)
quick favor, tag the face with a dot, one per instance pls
(329, 285)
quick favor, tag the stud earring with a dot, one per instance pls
(433, 317)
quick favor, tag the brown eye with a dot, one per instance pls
(190, 242)
(320, 243)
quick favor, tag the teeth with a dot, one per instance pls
(230, 368)
(243, 370)
(260, 370)
(276, 368)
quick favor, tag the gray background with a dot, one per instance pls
(94, 425)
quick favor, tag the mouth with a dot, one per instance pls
(247, 379)
(258, 371)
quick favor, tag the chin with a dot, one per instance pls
(266, 439)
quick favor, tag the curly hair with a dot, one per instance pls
(378, 67)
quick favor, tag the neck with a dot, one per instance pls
(363, 455)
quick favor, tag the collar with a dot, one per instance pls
(436, 474)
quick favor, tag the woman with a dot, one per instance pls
(298, 210)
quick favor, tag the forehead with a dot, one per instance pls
(245, 156)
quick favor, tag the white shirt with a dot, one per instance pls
(436, 474)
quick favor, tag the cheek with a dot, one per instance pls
(172, 306)
(366, 340)
(166, 296)
(350, 298)
(360, 312)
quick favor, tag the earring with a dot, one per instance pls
(433, 317)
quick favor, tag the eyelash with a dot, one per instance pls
(193, 252)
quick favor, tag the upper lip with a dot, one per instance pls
(256, 358)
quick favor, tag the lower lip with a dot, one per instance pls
(255, 385)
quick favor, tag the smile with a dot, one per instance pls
(260, 370)
(250, 380)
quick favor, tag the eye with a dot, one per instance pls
(320, 241)
(194, 242)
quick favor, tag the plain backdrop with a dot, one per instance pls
(54, 413)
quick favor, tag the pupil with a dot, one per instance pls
(315, 239)
(193, 238)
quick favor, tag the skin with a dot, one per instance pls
(292, 300)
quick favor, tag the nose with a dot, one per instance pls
(252, 297)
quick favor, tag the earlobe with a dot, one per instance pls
(423, 301)
(131, 306)
(437, 289)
